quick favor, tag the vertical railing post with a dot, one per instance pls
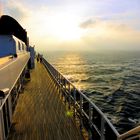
(74, 95)
(81, 112)
(90, 120)
(102, 128)
(69, 87)
(64, 80)
(61, 86)
(56, 79)
(81, 103)
(59, 78)
(2, 132)
(20, 80)
(1, 99)
(10, 105)
(54, 73)
(69, 95)
(59, 82)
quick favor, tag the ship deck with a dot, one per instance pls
(40, 113)
(4, 61)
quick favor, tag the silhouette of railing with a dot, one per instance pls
(91, 118)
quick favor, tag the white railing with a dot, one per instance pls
(9, 96)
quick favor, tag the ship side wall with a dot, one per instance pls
(10, 45)
(7, 45)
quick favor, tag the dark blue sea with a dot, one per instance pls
(110, 78)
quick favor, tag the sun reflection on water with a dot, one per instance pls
(72, 67)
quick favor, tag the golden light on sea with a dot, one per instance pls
(72, 67)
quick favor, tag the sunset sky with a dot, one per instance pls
(78, 24)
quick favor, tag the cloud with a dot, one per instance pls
(1, 8)
(110, 34)
(16, 9)
(30, 19)
(90, 23)
(101, 22)
(105, 30)
(102, 25)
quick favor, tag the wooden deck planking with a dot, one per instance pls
(40, 114)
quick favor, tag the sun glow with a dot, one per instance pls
(62, 27)
(65, 28)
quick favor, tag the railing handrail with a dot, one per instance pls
(10, 95)
(87, 99)
(6, 97)
(130, 132)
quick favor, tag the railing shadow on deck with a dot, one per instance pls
(91, 118)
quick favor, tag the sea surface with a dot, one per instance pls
(111, 79)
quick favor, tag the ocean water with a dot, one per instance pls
(110, 79)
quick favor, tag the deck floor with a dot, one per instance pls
(40, 114)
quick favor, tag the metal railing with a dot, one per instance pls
(132, 134)
(91, 118)
(9, 100)
(7, 106)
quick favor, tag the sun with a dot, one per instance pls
(67, 31)
(62, 27)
